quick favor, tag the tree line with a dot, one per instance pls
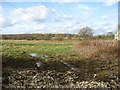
(84, 33)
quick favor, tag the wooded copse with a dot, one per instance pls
(86, 31)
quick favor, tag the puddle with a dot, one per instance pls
(39, 64)
(33, 54)
(74, 69)
(68, 65)
(38, 55)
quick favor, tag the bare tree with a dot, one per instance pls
(85, 31)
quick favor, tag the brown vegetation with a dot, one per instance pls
(102, 57)
(99, 49)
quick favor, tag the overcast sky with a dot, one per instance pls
(58, 17)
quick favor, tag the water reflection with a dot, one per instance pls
(39, 64)
(69, 66)
(37, 55)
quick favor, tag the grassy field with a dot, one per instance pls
(95, 60)
(16, 48)
(19, 50)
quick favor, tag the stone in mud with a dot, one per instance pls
(40, 65)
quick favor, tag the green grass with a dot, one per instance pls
(16, 53)
(20, 48)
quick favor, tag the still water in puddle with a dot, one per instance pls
(39, 64)
(38, 55)
(68, 65)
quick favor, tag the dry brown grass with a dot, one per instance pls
(102, 59)
(99, 49)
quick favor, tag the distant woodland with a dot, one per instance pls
(54, 37)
